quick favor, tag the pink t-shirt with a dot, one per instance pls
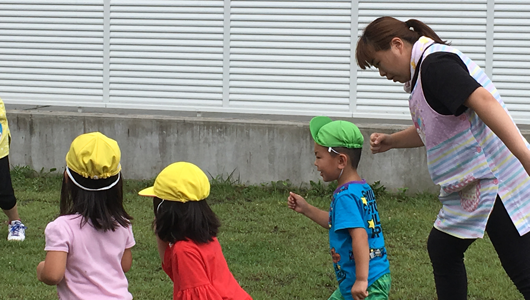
(93, 265)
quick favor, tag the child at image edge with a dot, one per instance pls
(88, 247)
(355, 235)
(186, 230)
(8, 201)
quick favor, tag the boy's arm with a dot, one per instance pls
(298, 204)
(318, 216)
(361, 255)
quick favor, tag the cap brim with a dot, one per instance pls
(316, 123)
(148, 192)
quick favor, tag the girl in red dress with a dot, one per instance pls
(186, 230)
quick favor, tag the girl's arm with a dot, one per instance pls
(51, 270)
(407, 138)
(162, 246)
(492, 114)
(126, 260)
(361, 255)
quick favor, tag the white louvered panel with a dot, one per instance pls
(290, 57)
(166, 54)
(463, 24)
(511, 56)
(51, 52)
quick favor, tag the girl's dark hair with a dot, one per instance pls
(354, 155)
(104, 209)
(177, 221)
(378, 35)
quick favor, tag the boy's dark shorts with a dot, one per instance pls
(7, 195)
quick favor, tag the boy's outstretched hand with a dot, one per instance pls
(297, 203)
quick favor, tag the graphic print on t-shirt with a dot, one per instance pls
(374, 224)
(341, 275)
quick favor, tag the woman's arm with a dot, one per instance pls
(407, 138)
(51, 270)
(492, 114)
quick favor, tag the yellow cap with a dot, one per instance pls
(93, 155)
(180, 181)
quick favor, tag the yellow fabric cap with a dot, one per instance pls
(180, 181)
(93, 155)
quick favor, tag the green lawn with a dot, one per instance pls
(272, 251)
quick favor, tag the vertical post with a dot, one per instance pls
(490, 31)
(226, 54)
(353, 65)
(106, 52)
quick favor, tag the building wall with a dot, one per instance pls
(238, 56)
(252, 150)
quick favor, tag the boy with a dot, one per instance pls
(355, 236)
(8, 202)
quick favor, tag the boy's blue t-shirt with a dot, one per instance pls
(353, 206)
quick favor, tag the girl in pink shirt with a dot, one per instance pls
(88, 247)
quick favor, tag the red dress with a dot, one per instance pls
(200, 271)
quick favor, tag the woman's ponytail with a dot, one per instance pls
(423, 30)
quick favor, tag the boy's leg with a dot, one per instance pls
(513, 250)
(380, 289)
(447, 258)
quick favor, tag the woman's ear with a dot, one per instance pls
(397, 44)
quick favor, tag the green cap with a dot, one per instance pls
(329, 133)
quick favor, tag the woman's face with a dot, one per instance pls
(394, 63)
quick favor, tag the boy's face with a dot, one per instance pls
(327, 165)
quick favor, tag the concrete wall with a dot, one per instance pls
(258, 150)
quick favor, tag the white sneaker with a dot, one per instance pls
(17, 231)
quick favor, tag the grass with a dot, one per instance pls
(272, 251)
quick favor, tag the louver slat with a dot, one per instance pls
(166, 54)
(51, 52)
(511, 56)
(290, 57)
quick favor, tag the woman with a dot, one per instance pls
(474, 150)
